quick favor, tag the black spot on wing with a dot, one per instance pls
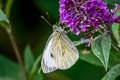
(51, 55)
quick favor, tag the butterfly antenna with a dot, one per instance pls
(46, 20)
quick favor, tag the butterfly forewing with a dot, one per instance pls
(65, 53)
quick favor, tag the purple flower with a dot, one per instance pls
(86, 15)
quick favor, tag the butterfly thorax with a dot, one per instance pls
(58, 28)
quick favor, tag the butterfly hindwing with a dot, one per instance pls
(47, 63)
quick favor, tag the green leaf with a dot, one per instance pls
(101, 46)
(116, 28)
(3, 17)
(38, 77)
(28, 58)
(10, 70)
(90, 58)
(113, 73)
(114, 58)
(8, 7)
(115, 31)
(35, 68)
(31, 65)
(77, 43)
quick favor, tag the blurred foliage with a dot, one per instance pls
(29, 28)
(3, 17)
(113, 73)
(9, 70)
(28, 59)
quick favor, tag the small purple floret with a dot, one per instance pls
(82, 40)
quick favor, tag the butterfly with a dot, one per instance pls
(59, 52)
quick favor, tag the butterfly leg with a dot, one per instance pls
(65, 27)
(68, 31)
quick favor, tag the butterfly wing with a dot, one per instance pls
(65, 54)
(59, 53)
(47, 63)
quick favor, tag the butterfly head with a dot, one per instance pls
(58, 28)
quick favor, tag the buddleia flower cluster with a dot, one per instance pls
(87, 15)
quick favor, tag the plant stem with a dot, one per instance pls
(17, 53)
(115, 46)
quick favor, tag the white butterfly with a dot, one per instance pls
(60, 52)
